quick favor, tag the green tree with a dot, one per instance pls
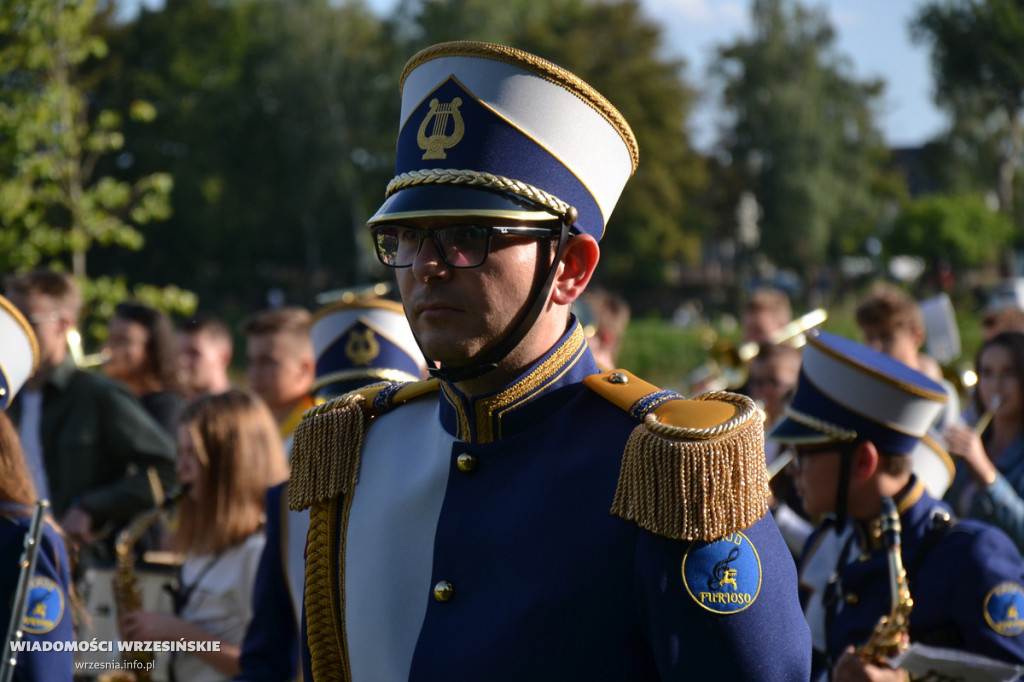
(802, 135)
(977, 51)
(54, 205)
(277, 119)
(961, 229)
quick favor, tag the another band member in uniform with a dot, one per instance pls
(47, 617)
(280, 364)
(355, 343)
(856, 419)
(520, 515)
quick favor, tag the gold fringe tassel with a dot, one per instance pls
(695, 489)
(326, 451)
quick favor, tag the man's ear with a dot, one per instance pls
(865, 461)
(577, 267)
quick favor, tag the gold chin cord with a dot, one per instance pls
(889, 637)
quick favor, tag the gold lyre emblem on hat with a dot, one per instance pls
(362, 347)
(439, 139)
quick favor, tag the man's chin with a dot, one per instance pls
(450, 352)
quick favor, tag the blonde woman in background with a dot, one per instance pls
(229, 453)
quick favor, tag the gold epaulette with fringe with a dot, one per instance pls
(328, 441)
(693, 469)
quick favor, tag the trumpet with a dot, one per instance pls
(726, 369)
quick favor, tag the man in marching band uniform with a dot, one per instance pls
(355, 343)
(857, 422)
(460, 526)
(47, 616)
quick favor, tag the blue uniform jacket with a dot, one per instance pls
(503, 562)
(48, 613)
(966, 583)
(270, 651)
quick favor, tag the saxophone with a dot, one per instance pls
(127, 593)
(888, 638)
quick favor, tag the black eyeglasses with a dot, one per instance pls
(460, 246)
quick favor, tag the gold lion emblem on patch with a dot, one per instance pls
(1004, 605)
(45, 606)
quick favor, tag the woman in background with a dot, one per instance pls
(989, 482)
(143, 355)
(229, 453)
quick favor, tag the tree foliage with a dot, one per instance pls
(55, 205)
(278, 129)
(977, 51)
(960, 229)
(802, 135)
(278, 121)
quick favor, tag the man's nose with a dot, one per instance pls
(428, 262)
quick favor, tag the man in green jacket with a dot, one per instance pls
(92, 449)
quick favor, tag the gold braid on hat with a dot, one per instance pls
(451, 176)
(831, 430)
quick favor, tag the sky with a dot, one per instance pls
(874, 34)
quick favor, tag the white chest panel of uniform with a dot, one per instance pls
(818, 569)
(389, 548)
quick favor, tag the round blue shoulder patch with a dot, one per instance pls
(723, 576)
(1004, 608)
(45, 606)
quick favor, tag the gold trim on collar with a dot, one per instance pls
(462, 429)
(912, 497)
(489, 411)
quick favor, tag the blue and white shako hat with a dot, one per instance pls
(19, 351)
(847, 392)
(491, 131)
(362, 342)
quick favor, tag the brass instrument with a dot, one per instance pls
(127, 593)
(726, 369)
(33, 543)
(889, 636)
(78, 354)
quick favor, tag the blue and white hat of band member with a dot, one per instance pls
(19, 351)
(847, 392)
(492, 131)
(932, 464)
(362, 342)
